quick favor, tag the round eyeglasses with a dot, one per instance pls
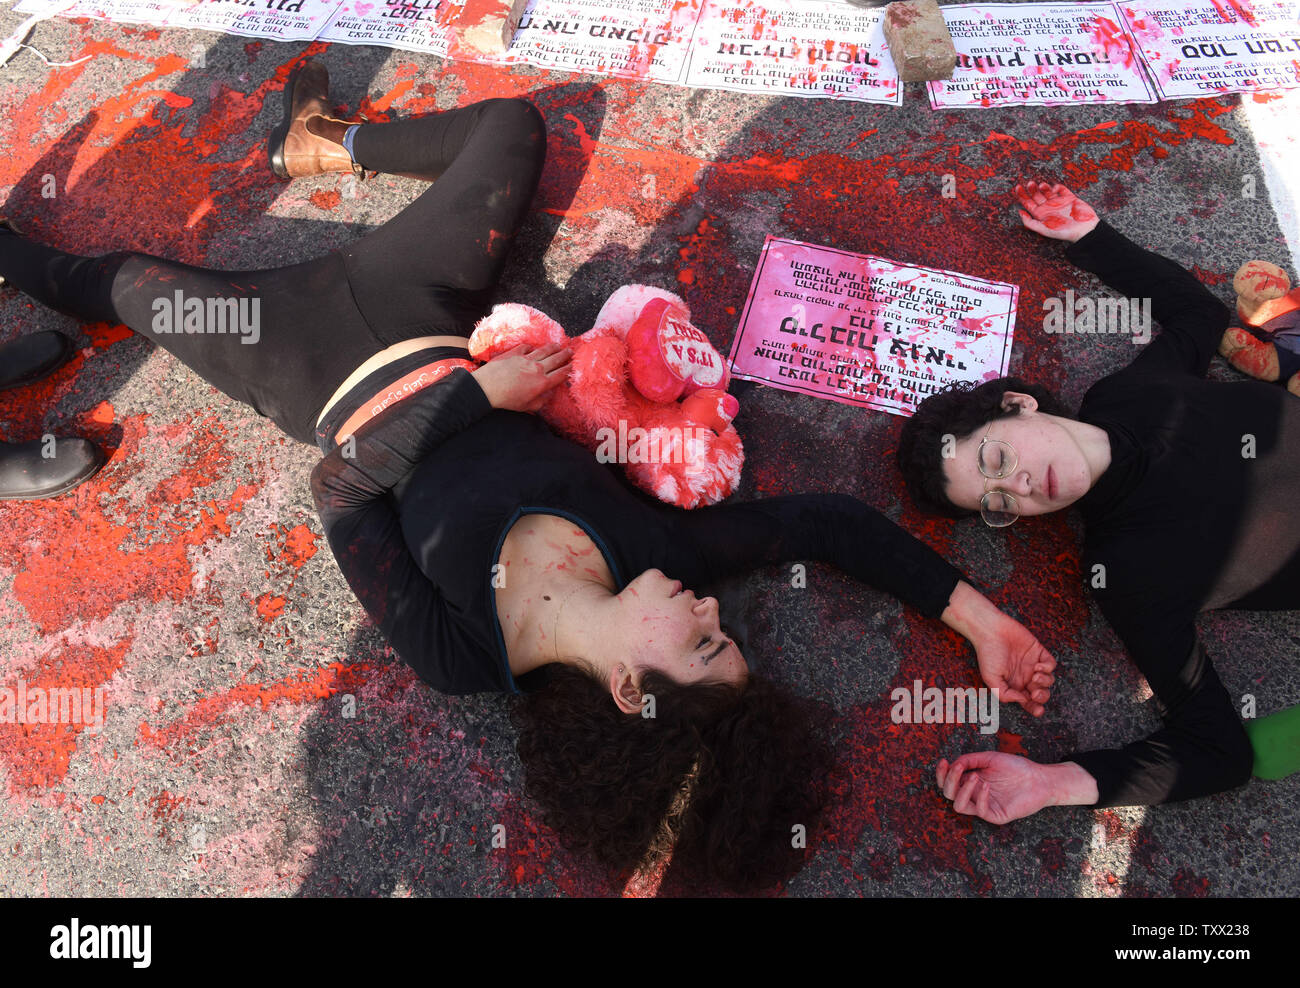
(997, 460)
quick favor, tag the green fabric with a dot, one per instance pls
(1276, 740)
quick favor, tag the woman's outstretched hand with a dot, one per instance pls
(999, 788)
(994, 786)
(1011, 660)
(520, 379)
(1055, 211)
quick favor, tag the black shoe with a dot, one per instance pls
(28, 475)
(30, 358)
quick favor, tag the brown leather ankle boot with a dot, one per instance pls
(294, 150)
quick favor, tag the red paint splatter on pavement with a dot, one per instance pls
(269, 607)
(60, 580)
(1188, 885)
(1051, 854)
(326, 199)
(37, 755)
(299, 546)
(210, 711)
(1112, 824)
(124, 156)
(1009, 743)
(167, 806)
(1210, 278)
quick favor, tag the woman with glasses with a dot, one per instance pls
(496, 556)
(1187, 488)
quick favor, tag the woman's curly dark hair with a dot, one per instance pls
(720, 774)
(956, 411)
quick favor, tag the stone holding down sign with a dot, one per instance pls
(868, 331)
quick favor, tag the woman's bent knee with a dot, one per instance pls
(518, 116)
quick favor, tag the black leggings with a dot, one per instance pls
(429, 270)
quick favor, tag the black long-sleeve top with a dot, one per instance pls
(417, 515)
(1197, 510)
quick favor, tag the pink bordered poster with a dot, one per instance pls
(868, 331)
(1205, 47)
(1039, 54)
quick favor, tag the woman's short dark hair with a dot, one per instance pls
(720, 775)
(956, 412)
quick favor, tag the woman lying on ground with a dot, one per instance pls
(1187, 488)
(495, 556)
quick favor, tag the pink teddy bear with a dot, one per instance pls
(646, 390)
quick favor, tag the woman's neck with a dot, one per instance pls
(1094, 444)
(566, 619)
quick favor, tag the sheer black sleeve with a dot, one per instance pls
(1192, 319)
(1202, 747)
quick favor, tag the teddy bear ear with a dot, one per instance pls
(1259, 281)
(510, 324)
(622, 308)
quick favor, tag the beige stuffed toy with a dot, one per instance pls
(1267, 344)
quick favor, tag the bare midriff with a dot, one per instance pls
(387, 356)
